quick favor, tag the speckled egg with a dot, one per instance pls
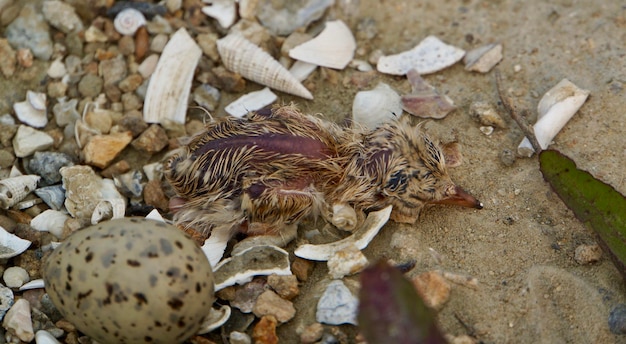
(131, 280)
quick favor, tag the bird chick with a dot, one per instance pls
(259, 174)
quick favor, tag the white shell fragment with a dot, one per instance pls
(424, 100)
(255, 261)
(155, 215)
(484, 58)
(170, 84)
(224, 11)
(128, 21)
(18, 322)
(333, 48)
(28, 140)
(32, 111)
(215, 245)
(301, 70)
(555, 109)
(51, 221)
(360, 239)
(251, 102)
(13, 190)
(337, 305)
(374, 107)
(34, 284)
(429, 56)
(244, 57)
(44, 337)
(215, 319)
(11, 245)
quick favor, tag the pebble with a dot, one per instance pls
(346, 262)
(337, 305)
(208, 45)
(6, 300)
(264, 332)
(282, 17)
(133, 122)
(8, 59)
(269, 303)
(229, 81)
(433, 288)
(113, 70)
(90, 85)
(130, 83)
(617, 319)
(6, 158)
(302, 268)
(102, 149)
(158, 43)
(30, 30)
(100, 120)
(18, 322)
(153, 195)
(57, 89)
(147, 67)
(48, 164)
(126, 45)
(159, 25)
(507, 157)
(116, 168)
(207, 97)
(45, 337)
(246, 295)
(237, 337)
(62, 16)
(129, 183)
(131, 101)
(28, 141)
(587, 254)
(486, 114)
(312, 333)
(152, 140)
(286, 286)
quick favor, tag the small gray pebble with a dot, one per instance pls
(48, 164)
(617, 319)
(507, 157)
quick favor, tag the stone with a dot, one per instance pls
(8, 58)
(126, 44)
(130, 83)
(346, 262)
(90, 85)
(28, 141)
(30, 30)
(264, 332)
(119, 167)
(158, 43)
(286, 286)
(62, 16)
(312, 333)
(337, 305)
(617, 319)
(133, 122)
(152, 140)
(6, 300)
(147, 67)
(302, 268)
(100, 120)
(57, 89)
(247, 294)
(236, 337)
(433, 288)
(18, 322)
(6, 158)
(113, 70)
(208, 44)
(206, 96)
(102, 149)
(153, 195)
(229, 81)
(587, 254)
(486, 114)
(131, 101)
(7, 132)
(282, 17)
(48, 164)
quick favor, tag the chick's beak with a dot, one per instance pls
(458, 196)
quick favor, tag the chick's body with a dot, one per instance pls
(259, 174)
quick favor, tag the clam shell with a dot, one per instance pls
(333, 48)
(360, 238)
(53, 196)
(251, 102)
(555, 109)
(429, 56)
(242, 56)
(255, 261)
(170, 84)
(424, 100)
(224, 11)
(11, 245)
(376, 106)
(128, 21)
(51, 221)
(13, 190)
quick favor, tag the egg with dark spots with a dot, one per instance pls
(131, 280)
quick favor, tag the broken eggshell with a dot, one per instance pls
(424, 100)
(483, 59)
(374, 107)
(255, 261)
(51, 221)
(555, 109)
(429, 56)
(333, 48)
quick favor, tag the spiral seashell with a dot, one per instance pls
(128, 21)
(13, 190)
(344, 217)
(244, 57)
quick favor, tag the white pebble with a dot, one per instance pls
(15, 277)
(18, 322)
(44, 337)
(337, 305)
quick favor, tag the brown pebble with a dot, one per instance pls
(102, 149)
(153, 195)
(227, 294)
(7, 223)
(33, 296)
(302, 268)
(312, 333)
(587, 254)
(113, 93)
(229, 81)
(119, 167)
(264, 331)
(247, 295)
(133, 122)
(103, 55)
(19, 216)
(142, 43)
(200, 340)
(285, 286)
(8, 63)
(126, 45)
(25, 57)
(65, 325)
(433, 288)
(152, 140)
(130, 83)
(269, 303)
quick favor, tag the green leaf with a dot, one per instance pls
(390, 310)
(597, 204)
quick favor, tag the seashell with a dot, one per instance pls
(51, 221)
(242, 56)
(224, 11)
(429, 56)
(251, 102)
(32, 111)
(65, 111)
(128, 21)
(301, 70)
(215, 245)
(28, 140)
(373, 107)
(170, 84)
(361, 65)
(257, 261)
(333, 48)
(344, 217)
(424, 101)
(13, 190)
(484, 58)
(83, 132)
(15, 276)
(360, 238)
(555, 109)
(45, 337)
(11, 245)
(215, 319)
(53, 196)
(34, 284)
(155, 215)
(27, 204)
(108, 210)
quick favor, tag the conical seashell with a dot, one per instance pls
(170, 84)
(242, 56)
(53, 196)
(51, 221)
(373, 107)
(429, 56)
(13, 190)
(128, 21)
(224, 11)
(334, 47)
(424, 100)
(251, 102)
(11, 245)
(32, 111)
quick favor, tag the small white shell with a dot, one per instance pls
(36, 99)
(242, 56)
(128, 21)
(51, 221)
(334, 47)
(32, 111)
(257, 261)
(108, 210)
(483, 59)
(170, 84)
(216, 319)
(215, 245)
(344, 217)
(155, 215)
(376, 106)
(34, 284)
(360, 239)
(15, 276)
(251, 102)
(13, 190)
(11, 245)
(224, 11)
(429, 56)
(301, 70)
(555, 109)
(44, 337)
